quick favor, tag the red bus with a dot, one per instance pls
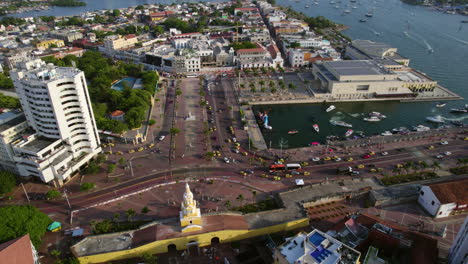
(287, 167)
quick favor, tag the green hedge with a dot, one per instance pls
(418, 176)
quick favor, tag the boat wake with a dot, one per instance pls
(429, 47)
(456, 119)
(375, 32)
(457, 39)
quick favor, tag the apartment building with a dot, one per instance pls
(459, 250)
(57, 106)
(117, 42)
(67, 36)
(12, 126)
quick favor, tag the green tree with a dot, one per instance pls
(435, 166)
(145, 210)
(174, 131)
(9, 102)
(116, 12)
(7, 182)
(152, 122)
(111, 168)
(17, 221)
(5, 82)
(51, 194)
(295, 45)
(92, 168)
(227, 203)
(149, 258)
(240, 198)
(122, 161)
(291, 86)
(55, 253)
(86, 186)
(130, 213)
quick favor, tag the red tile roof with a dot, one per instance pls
(251, 50)
(455, 191)
(117, 113)
(17, 251)
(247, 9)
(130, 36)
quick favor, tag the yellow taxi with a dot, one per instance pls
(399, 166)
(245, 153)
(131, 151)
(431, 147)
(373, 170)
(372, 153)
(350, 159)
(360, 166)
(327, 158)
(288, 175)
(306, 173)
(305, 163)
(140, 149)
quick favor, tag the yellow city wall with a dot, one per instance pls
(203, 240)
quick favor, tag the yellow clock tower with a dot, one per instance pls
(190, 216)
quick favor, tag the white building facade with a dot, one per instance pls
(459, 250)
(57, 106)
(444, 199)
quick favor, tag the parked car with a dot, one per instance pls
(444, 143)
(315, 159)
(366, 156)
(447, 153)
(161, 138)
(235, 150)
(439, 156)
(226, 159)
(249, 171)
(234, 139)
(385, 153)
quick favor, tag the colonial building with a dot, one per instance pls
(190, 216)
(444, 199)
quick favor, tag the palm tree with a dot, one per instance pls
(56, 253)
(174, 131)
(149, 258)
(227, 203)
(272, 84)
(423, 165)
(240, 198)
(262, 83)
(408, 165)
(254, 194)
(130, 213)
(115, 217)
(291, 86)
(242, 86)
(435, 165)
(461, 162)
(397, 171)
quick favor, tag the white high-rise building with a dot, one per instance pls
(57, 106)
(459, 250)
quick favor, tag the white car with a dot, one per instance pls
(338, 159)
(226, 159)
(235, 151)
(385, 153)
(161, 138)
(315, 159)
(444, 143)
(447, 153)
(439, 156)
(234, 139)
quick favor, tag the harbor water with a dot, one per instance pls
(414, 30)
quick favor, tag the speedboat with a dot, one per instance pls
(435, 119)
(458, 110)
(293, 132)
(330, 108)
(316, 128)
(377, 114)
(386, 133)
(421, 128)
(439, 105)
(372, 119)
(340, 123)
(349, 133)
(457, 123)
(369, 14)
(306, 6)
(363, 20)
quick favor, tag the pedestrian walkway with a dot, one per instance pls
(255, 134)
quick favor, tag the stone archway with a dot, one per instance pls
(171, 248)
(215, 241)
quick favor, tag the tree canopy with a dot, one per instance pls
(9, 102)
(5, 82)
(20, 220)
(7, 182)
(243, 45)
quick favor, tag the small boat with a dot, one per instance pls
(349, 133)
(316, 128)
(458, 110)
(369, 14)
(464, 21)
(362, 20)
(386, 133)
(307, 6)
(439, 105)
(372, 119)
(430, 50)
(421, 128)
(435, 119)
(268, 127)
(340, 123)
(377, 114)
(457, 123)
(332, 2)
(347, 11)
(330, 108)
(293, 132)
(314, 143)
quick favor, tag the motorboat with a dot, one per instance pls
(369, 14)
(307, 6)
(347, 11)
(316, 128)
(330, 108)
(340, 123)
(332, 2)
(457, 123)
(399, 130)
(439, 105)
(377, 114)
(372, 119)
(349, 133)
(267, 127)
(386, 133)
(293, 132)
(362, 20)
(458, 110)
(421, 128)
(435, 119)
